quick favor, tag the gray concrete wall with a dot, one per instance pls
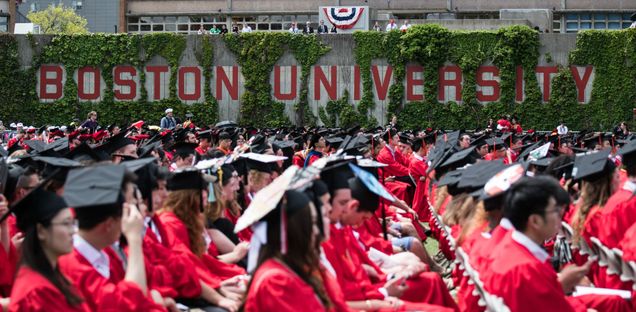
(226, 70)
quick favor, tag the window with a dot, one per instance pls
(575, 22)
(4, 23)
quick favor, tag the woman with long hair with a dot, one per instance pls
(287, 276)
(183, 220)
(596, 188)
(48, 227)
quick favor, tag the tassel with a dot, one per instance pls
(283, 232)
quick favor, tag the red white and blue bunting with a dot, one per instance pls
(343, 17)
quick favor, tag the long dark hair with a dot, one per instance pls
(303, 256)
(33, 256)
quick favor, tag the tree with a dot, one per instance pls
(59, 20)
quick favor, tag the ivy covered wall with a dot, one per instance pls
(612, 53)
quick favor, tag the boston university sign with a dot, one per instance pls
(332, 76)
(325, 82)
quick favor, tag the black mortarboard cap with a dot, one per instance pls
(84, 153)
(116, 142)
(187, 179)
(35, 145)
(478, 174)
(94, 186)
(336, 175)
(459, 159)
(359, 191)
(593, 165)
(37, 206)
(286, 146)
(206, 134)
(527, 149)
(184, 148)
(334, 141)
(628, 151)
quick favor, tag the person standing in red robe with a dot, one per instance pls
(396, 165)
(417, 169)
(48, 227)
(520, 272)
(205, 141)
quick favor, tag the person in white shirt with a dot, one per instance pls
(391, 25)
(294, 29)
(246, 29)
(201, 30)
(562, 129)
(405, 26)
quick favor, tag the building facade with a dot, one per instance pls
(561, 16)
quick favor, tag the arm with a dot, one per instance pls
(132, 225)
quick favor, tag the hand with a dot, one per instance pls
(231, 292)
(4, 208)
(17, 240)
(170, 305)
(571, 275)
(390, 179)
(132, 223)
(228, 304)
(395, 288)
(423, 178)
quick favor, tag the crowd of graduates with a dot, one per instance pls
(230, 218)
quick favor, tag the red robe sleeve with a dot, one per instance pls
(8, 267)
(169, 271)
(418, 169)
(394, 168)
(103, 294)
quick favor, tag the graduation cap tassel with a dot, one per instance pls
(283, 232)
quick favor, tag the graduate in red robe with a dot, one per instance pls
(519, 271)
(48, 227)
(397, 166)
(103, 215)
(317, 147)
(417, 169)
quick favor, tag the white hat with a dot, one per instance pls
(20, 125)
(169, 110)
(12, 125)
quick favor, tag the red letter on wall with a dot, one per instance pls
(231, 87)
(546, 71)
(194, 96)
(356, 83)
(519, 84)
(278, 94)
(330, 86)
(581, 82)
(411, 82)
(381, 86)
(55, 81)
(481, 97)
(130, 83)
(81, 80)
(456, 82)
(156, 71)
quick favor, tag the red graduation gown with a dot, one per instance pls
(176, 238)
(100, 293)
(33, 292)
(244, 235)
(171, 273)
(275, 287)
(618, 215)
(346, 256)
(418, 169)
(397, 166)
(8, 265)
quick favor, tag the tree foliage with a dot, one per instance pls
(59, 20)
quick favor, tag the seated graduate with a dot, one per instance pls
(182, 220)
(287, 275)
(48, 227)
(358, 276)
(518, 271)
(103, 198)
